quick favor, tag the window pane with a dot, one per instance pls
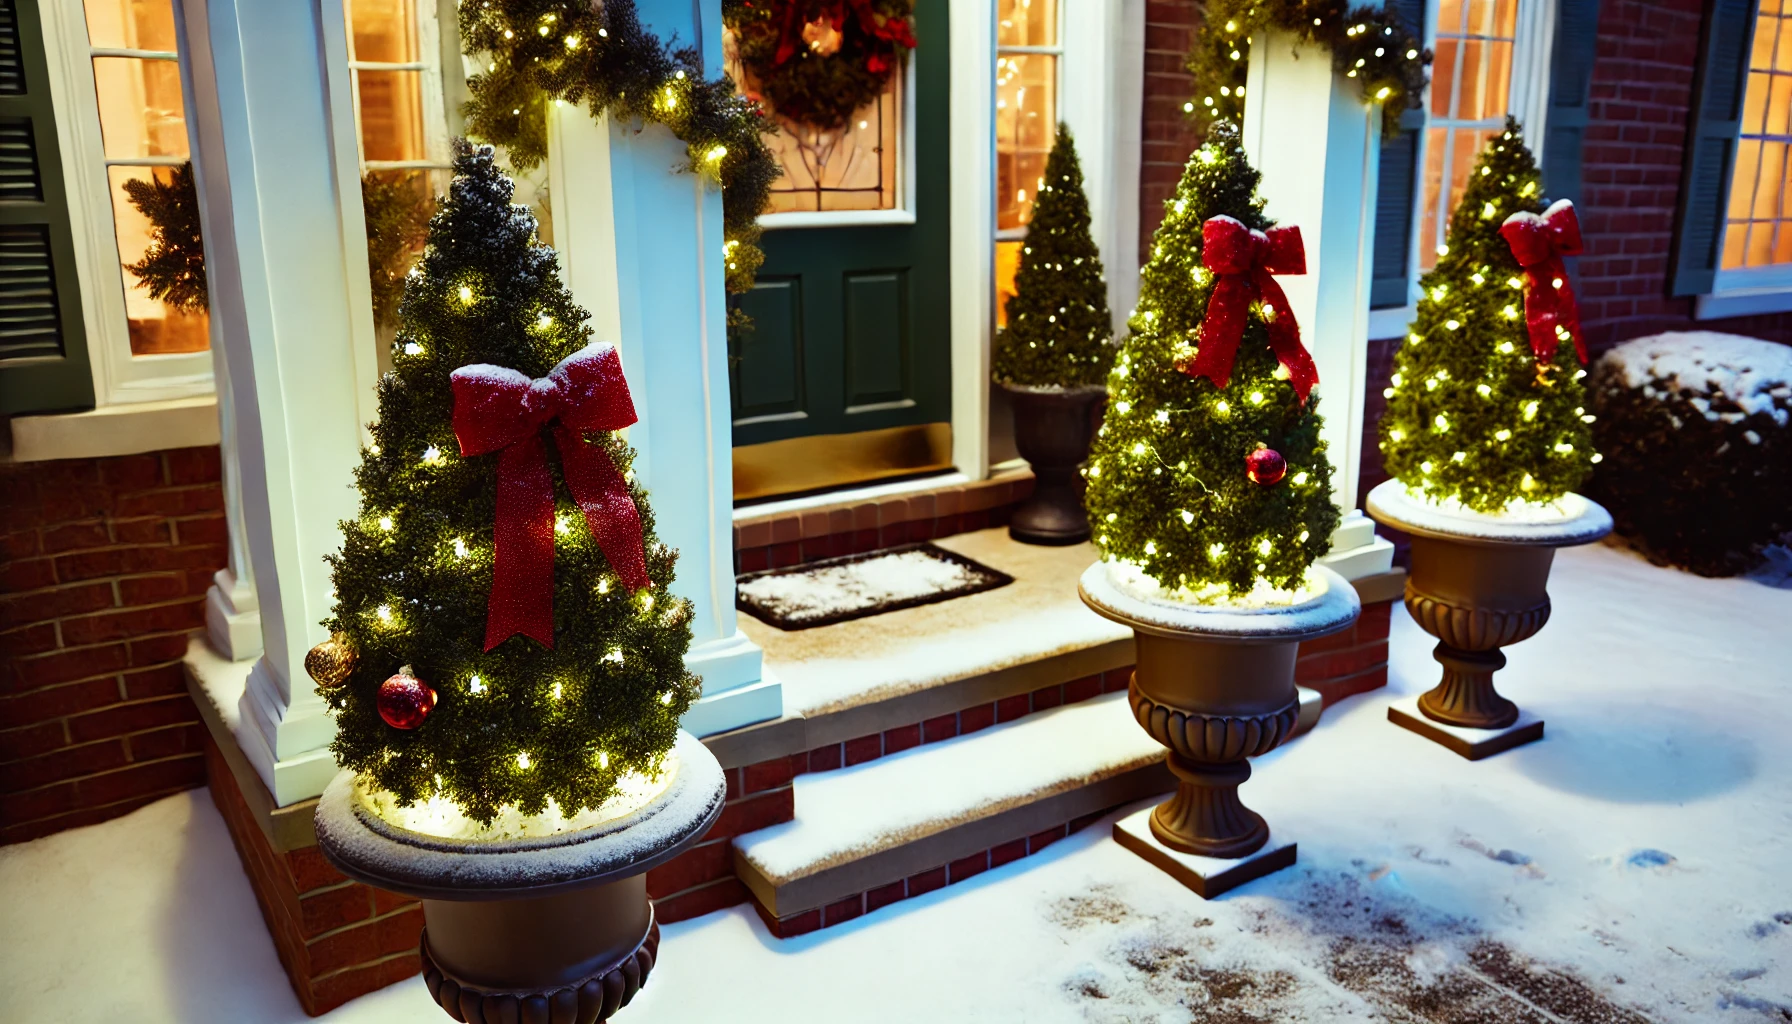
(1486, 80)
(1742, 188)
(1754, 103)
(1772, 177)
(130, 24)
(1007, 265)
(141, 113)
(1757, 234)
(1026, 22)
(1443, 77)
(1026, 123)
(384, 30)
(1778, 117)
(1449, 17)
(1497, 18)
(391, 115)
(1437, 146)
(156, 328)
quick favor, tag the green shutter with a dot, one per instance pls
(1716, 119)
(1394, 196)
(1570, 86)
(43, 347)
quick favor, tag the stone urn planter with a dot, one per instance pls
(1478, 583)
(550, 928)
(1052, 429)
(1214, 684)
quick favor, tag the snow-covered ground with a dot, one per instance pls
(1634, 866)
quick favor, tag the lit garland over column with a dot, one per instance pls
(1369, 44)
(574, 51)
(1475, 414)
(1175, 484)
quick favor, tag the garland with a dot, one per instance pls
(1369, 44)
(816, 62)
(538, 51)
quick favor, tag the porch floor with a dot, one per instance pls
(1630, 867)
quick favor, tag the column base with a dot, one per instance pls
(738, 690)
(1473, 744)
(289, 747)
(1312, 704)
(232, 618)
(1209, 877)
(1357, 550)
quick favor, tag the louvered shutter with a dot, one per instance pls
(43, 348)
(1394, 198)
(1570, 86)
(1718, 86)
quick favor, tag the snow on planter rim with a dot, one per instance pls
(1571, 520)
(373, 851)
(1334, 606)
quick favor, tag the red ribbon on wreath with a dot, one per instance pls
(1539, 243)
(497, 409)
(1242, 261)
(891, 30)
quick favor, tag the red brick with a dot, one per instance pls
(24, 831)
(75, 536)
(45, 605)
(60, 702)
(32, 740)
(825, 759)
(799, 924)
(753, 559)
(735, 789)
(1116, 680)
(92, 629)
(757, 778)
(1078, 824)
(171, 742)
(755, 812)
(308, 870)
(137, 717)
(16, 577)
(398, 933)
(182, 501)
(31, 640)
(884, 895)
(965, 867)
(164, 681)
(151, 650)
(980, 717)
(132, 472)
(863, 749)
(926, 882)
(1048, 697)
(210, 556)
(35, 804)
(936, 729)
(141, 590)
(842, 911)
(194, 466)
(385, 901)
(707, 862)
(702, 900)
(340, 949)
(329, 909)
(90, 564)
(68, 666)
(1082, 689)
(17, 543)
(1010, 708)
(1040, 840)
(901, 738)
(151, 530)
(327, 993)
(67, 763)
(1008, 852)
(168, 776)
(1375, 620)
(784, 555)
(1338, 664)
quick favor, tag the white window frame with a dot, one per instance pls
(1061, 56)
(1745, 291)
(436, 135)
(119, 378)
(1527, 97)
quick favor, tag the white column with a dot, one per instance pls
(1318, 145)
(232, 613)
(274, 140)
(641, 246)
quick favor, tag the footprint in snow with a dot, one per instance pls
(1650, 859)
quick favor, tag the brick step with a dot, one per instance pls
(911, 822)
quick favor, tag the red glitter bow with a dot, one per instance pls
(1539, 243)
(891, 30)
(497, 409)
(1243, 261)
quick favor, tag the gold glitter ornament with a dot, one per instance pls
(330, 662)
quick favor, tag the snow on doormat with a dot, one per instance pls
(842, 589)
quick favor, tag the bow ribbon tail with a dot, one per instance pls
(523, 547)
(1222, 330)
(1568, 310)
(610, 512)
(1284, 336)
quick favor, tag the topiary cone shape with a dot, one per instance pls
(522, 723)
(1059, 327)
(1472, 416)
(1170, 480)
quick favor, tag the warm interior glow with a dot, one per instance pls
(1471, 82)
(1756, 232)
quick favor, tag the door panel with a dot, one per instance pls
(768, 382)
(877, 342)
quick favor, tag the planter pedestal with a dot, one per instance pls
(1215, 685)
(1052, 430)
(556, 930)
(1478, 583)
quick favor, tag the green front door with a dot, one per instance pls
(845, 376)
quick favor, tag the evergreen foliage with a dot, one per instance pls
(1058, 322)
(1167, 484)
(1471, 416)
(173, 267)
(397, 215)
(607, 698)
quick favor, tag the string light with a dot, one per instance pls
(386, 523)
(522, 760)
(475, 684)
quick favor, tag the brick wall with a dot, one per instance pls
(104, 572)
(1168, 139)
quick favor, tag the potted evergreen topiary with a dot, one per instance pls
(1054, 354)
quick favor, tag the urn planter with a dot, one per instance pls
(554, 929)
(1053, 428)
(1478, 583)
(1215, 685)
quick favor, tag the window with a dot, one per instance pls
(1470, 94)
(1758, 226)
(1028, 59)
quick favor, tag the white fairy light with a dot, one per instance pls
(522, 760)
(475, 684)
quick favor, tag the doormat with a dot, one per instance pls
(856, 586)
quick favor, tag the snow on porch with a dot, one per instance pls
(1640, 852)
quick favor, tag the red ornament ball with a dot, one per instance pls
(1265, 467)
(405, 701)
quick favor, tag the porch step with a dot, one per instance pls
(913, 821)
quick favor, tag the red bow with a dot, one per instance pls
(1539, 243)
(497, 409)
(893, 30)
(1243, 261)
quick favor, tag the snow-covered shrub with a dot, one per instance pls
(1696, 433)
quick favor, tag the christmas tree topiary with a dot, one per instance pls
(1484, 409)
(1058, 321)
(494, 503)
(1209, 474)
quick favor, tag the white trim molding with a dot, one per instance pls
(116, 430)
(973, 228)
(1749, 291)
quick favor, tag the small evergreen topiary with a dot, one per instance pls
(1059, 327)
(1472, 416)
